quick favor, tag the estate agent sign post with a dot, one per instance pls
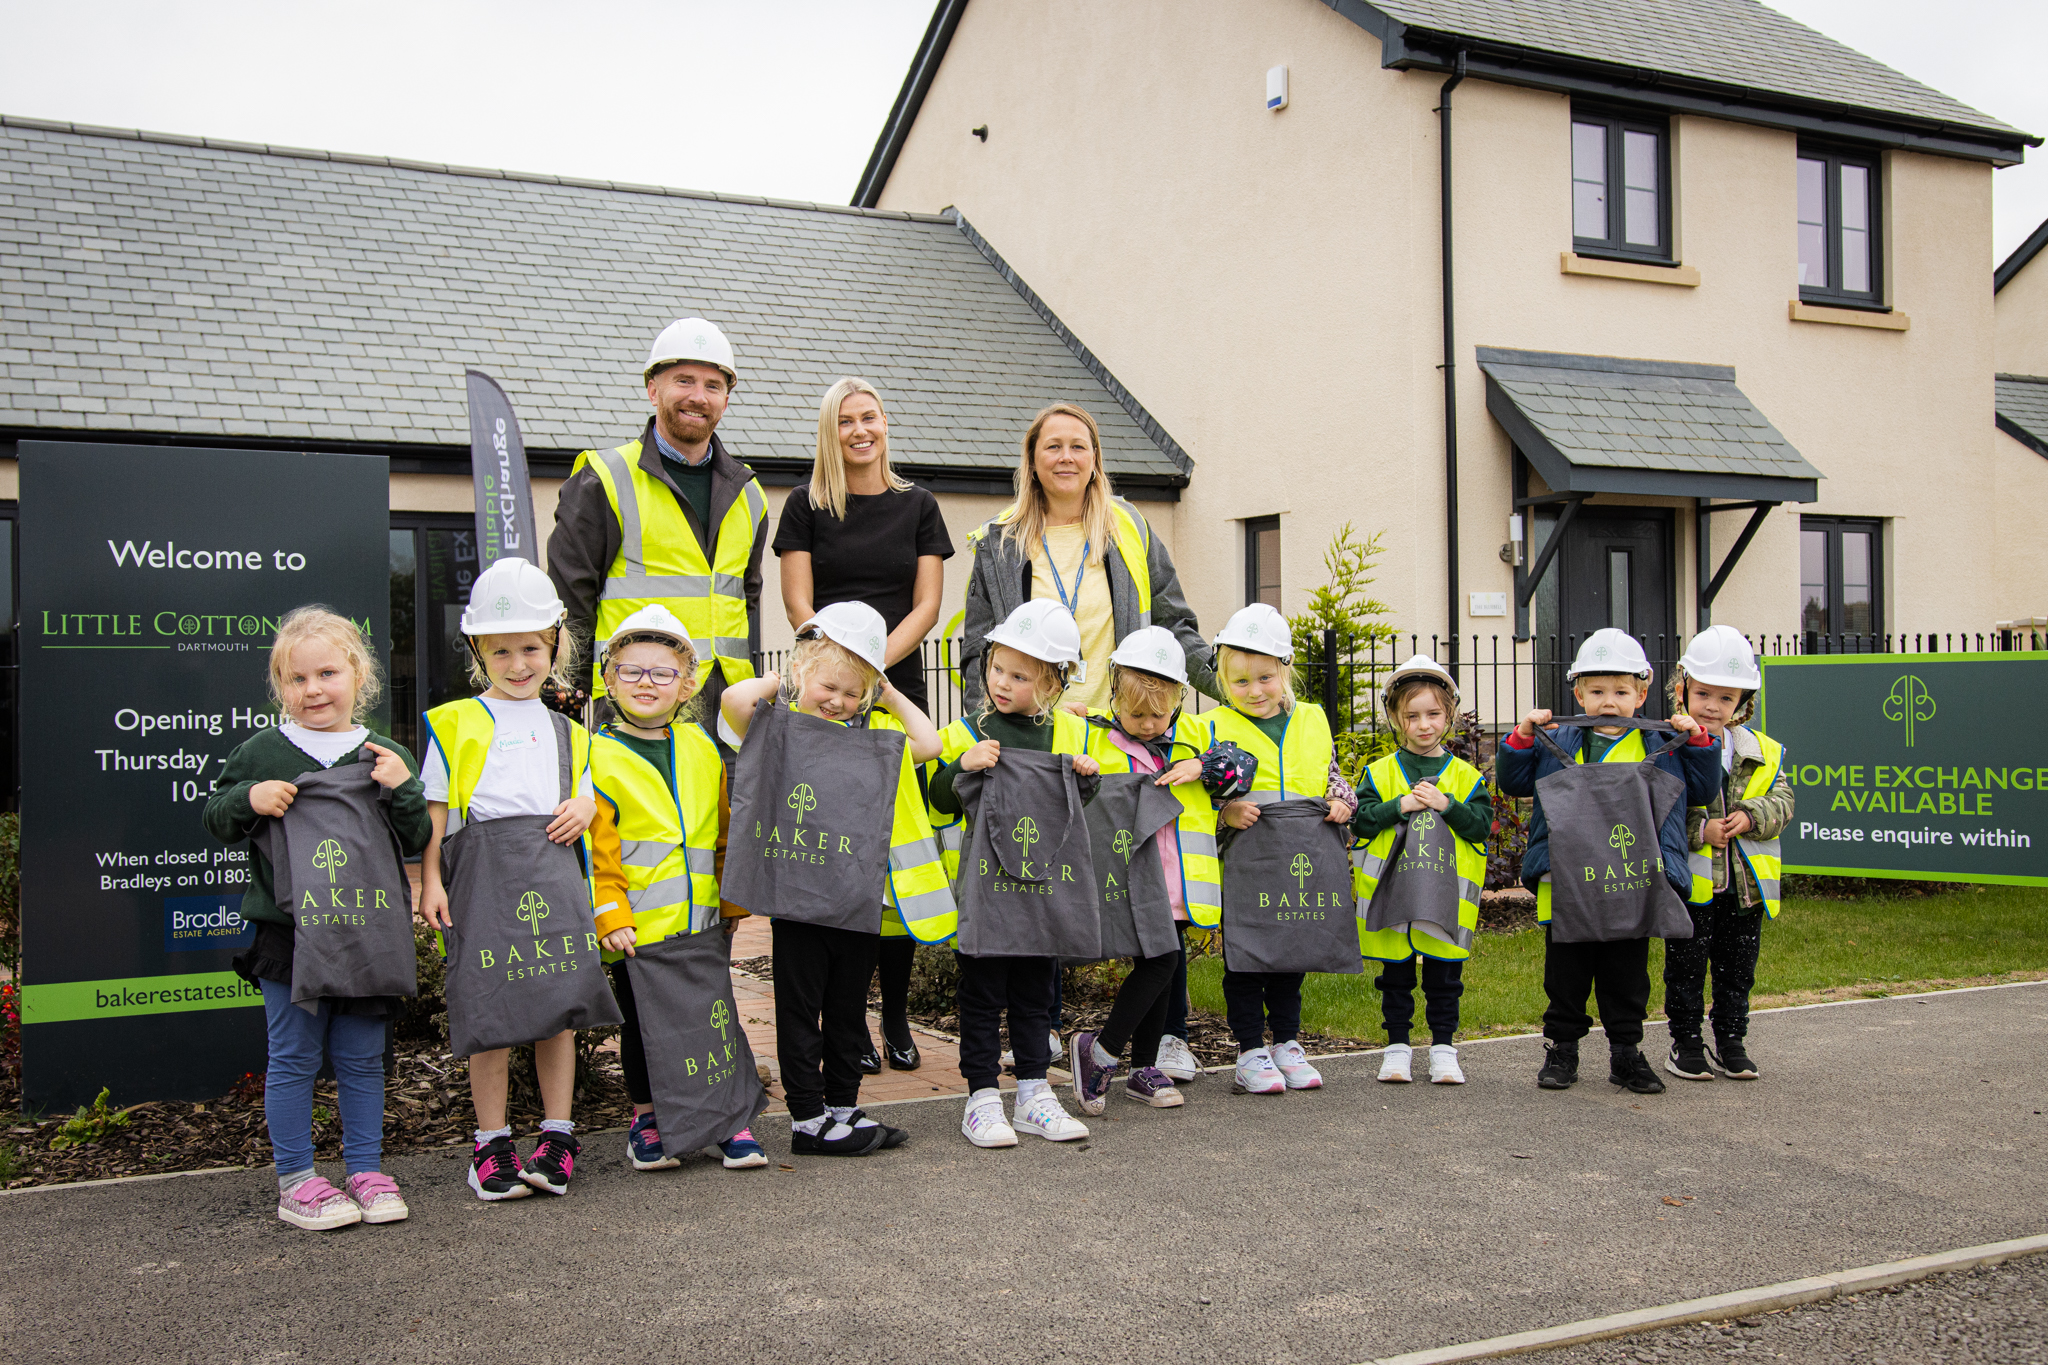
(152, 580)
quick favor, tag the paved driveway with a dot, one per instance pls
(1325, 1227)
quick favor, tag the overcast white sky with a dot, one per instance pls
(781, 98)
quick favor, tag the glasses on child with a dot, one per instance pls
(660, 677)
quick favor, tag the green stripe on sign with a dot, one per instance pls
(60, 1001)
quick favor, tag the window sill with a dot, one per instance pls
(1849, 317)
(1572, 263)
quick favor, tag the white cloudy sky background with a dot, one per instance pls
(781, 98)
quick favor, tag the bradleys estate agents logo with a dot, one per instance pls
(1909, 702)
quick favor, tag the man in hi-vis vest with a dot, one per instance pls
(669, 518)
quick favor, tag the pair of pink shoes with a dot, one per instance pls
(366, 1197)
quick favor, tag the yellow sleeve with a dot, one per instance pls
(726, 909)
(607, 871)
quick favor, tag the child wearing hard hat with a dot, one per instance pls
(1029, 661)
(1147, 732)
(1734, 859)
(1421, 704)
(323, 677)
(517, 644)
(835, 672)
(1295, 756)
(650, 672)
(1610, 677)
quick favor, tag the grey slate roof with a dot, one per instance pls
(152, 284)
(2022, 402)
(1604, 424)
(1736, 43)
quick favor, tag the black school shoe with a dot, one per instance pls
(1628, 1066)
(1733, 1061)
(1560, 1066)
(1688, 1061)
(891, 1137)
(856, 1142)
(871, 1061)
(905, 1058)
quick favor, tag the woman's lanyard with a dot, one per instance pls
(1072, 604)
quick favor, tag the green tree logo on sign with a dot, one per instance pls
(721, 1017)
(1909, 702)
(532, 910)
(1302, 869)
(802, 799)
(1026, 834)
(1622, 838)
(329, 857)
(1122, 843)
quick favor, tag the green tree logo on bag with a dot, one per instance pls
(1623, 839)
(1122, 844)
(1301, 869)
(1026, 834)
(329, 857)
(1423, 822)
(721, 1018)
(532, 910)
(1910, 702)
(802, 799)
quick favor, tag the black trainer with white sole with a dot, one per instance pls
(1688, 1062)
(1733, 1062)
(853, 1142)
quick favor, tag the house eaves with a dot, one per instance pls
(2022, 408)
(931, 51)
(2017, 262)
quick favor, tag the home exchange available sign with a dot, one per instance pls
(1913, 765)
(152, 580)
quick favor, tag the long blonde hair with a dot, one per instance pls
(828, 471)
(318, 623)
(1026, 517)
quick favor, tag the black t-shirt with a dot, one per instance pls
(870, 557)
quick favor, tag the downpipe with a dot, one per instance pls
(1450, 362)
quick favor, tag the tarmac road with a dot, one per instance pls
(1332, 1226)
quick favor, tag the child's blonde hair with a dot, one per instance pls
(561, 667)
(1047, 687)
(319, 623)
(1398, 694)
(1675, 689)
(813, 653)
(1130, 688)
(1224, 654)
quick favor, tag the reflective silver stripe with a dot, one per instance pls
(916, 853)
(1375, 867)
(1200, 842)
(1468, 891)
(702, 862)
(757, 501)
(672, 586)
(926, 905)
(667, 891)
(644, 852)
(728, 585)
(1459, 936)
(629, 513)
(733, 647)
(703, 917)
(951, 838)
(1263, 798)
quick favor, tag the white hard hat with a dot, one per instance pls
(1152, 649)
(510, 598)
(1608, 650)
(1422, 666)
(691, 339)
(1261, 630)
(854, 626)
(1044, 630)
(654, 620)
(1720, 657)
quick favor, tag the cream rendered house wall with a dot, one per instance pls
(1267, 284)
(2022, 488)
(2022, 309)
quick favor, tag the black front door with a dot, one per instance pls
(1613, 570)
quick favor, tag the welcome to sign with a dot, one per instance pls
(1913, 765)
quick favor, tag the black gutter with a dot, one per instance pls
(2017, 262)
(938, 35)
(2021, 434)
(1450, 365)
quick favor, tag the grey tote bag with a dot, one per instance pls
(1027, 880)
(699, 1067)
(1607, 881)
(1287, 899)
(1128, 821)
(1420, 883)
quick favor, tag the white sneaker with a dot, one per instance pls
(1055, 1050)
(984, 1124)
(1443, 1065)
(1256, 1074)
(1176, 1060)
(1396, 1063)
(1042, 1114)
(1294, 1068)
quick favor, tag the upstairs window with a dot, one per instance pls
(1621, 186)
(1838, 218)
(1841, 577)
(1262, 561)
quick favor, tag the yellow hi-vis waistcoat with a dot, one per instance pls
(1762, 855)
(1628, 749)
(1069, 736)
(462, 731)
(1130, 531)
(659, 560)
(918, 898)
(1296, 768)
(667, 844)
(1201, 875)
(1458, 780)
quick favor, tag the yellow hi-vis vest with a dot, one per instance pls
(1296, 768)
(1628, 749)
(918, 898)
(1069, 736)
(667, 844)
(1763, 855)
(462, 731)
(1201, 875)
(1458, 780)
(1130, 531)
(660, 561)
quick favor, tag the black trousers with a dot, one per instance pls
(1726, 938)
(1443, 982)
(632, 1054)
(1618, 975)
(1177, 993)
(892, 964)
(821, 1013)
(1139, 1015)
(990, 985)
(1252, 1000)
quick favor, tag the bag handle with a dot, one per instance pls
(562, 746)
(1621, 722)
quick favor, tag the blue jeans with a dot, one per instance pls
(298, 1043)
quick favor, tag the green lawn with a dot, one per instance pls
(1814, 945)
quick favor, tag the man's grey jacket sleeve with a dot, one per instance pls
(984, 611)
